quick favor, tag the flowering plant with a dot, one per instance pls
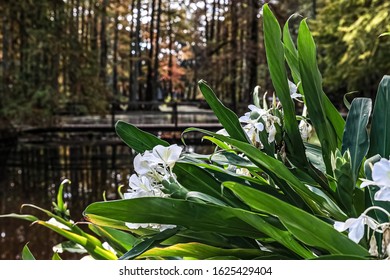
(277, 185)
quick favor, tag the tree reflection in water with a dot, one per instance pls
(31, 173)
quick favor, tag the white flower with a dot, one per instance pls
(108, 247)
(142, 187)
(305, 129)
(159, 227)
(293, 90)
(142, 164)
(254, 125)
(223, 132)
(381, 178)
(243, 171)
(54, 222)
(167, 156)
(136, 225)
(355, 226)
(252, 131)
(270, 127)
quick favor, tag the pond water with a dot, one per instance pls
(30, 173)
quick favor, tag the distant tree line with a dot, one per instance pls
(82, 56)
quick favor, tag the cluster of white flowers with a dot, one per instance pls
(355, 226)
(152, 168)
(256, 121)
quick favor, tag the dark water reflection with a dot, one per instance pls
(31, 173)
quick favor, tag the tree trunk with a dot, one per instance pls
(132, 81)
(149, 77)
(115, 55)
(103, 43)
(233, 48)
(170, 59)
(157, 52)
(138, 64)
(254, 39)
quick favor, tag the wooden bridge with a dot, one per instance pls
(167, 122)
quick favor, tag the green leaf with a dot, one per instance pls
(277, 169)
(194, 178)
(304, 226)
(137, 139)
(121, 241)
(380, 127)
(192, 215)
(69, 246)
(61, 206)
(355, 138)
(334, 117)
(314, 155)
(98, 252)
(340, 257)
(217, 142)
(165, 211)
(291, 53)
(292, 58)
(56, 257)
(26, 254)
(29, 218)
(226, 117)
(314, 96)
(202, 251)
(228, 158)
(345, 184)
(149, 243)
(275, 58)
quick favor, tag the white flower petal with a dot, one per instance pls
(381, 172)
(222, 132)
(356, 232)
(54, 222)
(383, 194)
(271, 133)
(296, 95)
(167, 155)
(136, 225)
(293, 88)
(142, 164)
(370, 222)
(340, 226)
(366, 183)
(244, 119)
(355, 226)
(259, 126)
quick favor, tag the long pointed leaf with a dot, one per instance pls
(137, 139)
(304, 226)
(194, 216)
(318, 204)
(226, 117)
(355, 137)
(380, 128)
(149, 243)
(275, 58)
(202, 251)
(314, 96)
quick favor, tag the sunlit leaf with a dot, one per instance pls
(26, 254)
(202, 251)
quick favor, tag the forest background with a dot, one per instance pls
(83, 57)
